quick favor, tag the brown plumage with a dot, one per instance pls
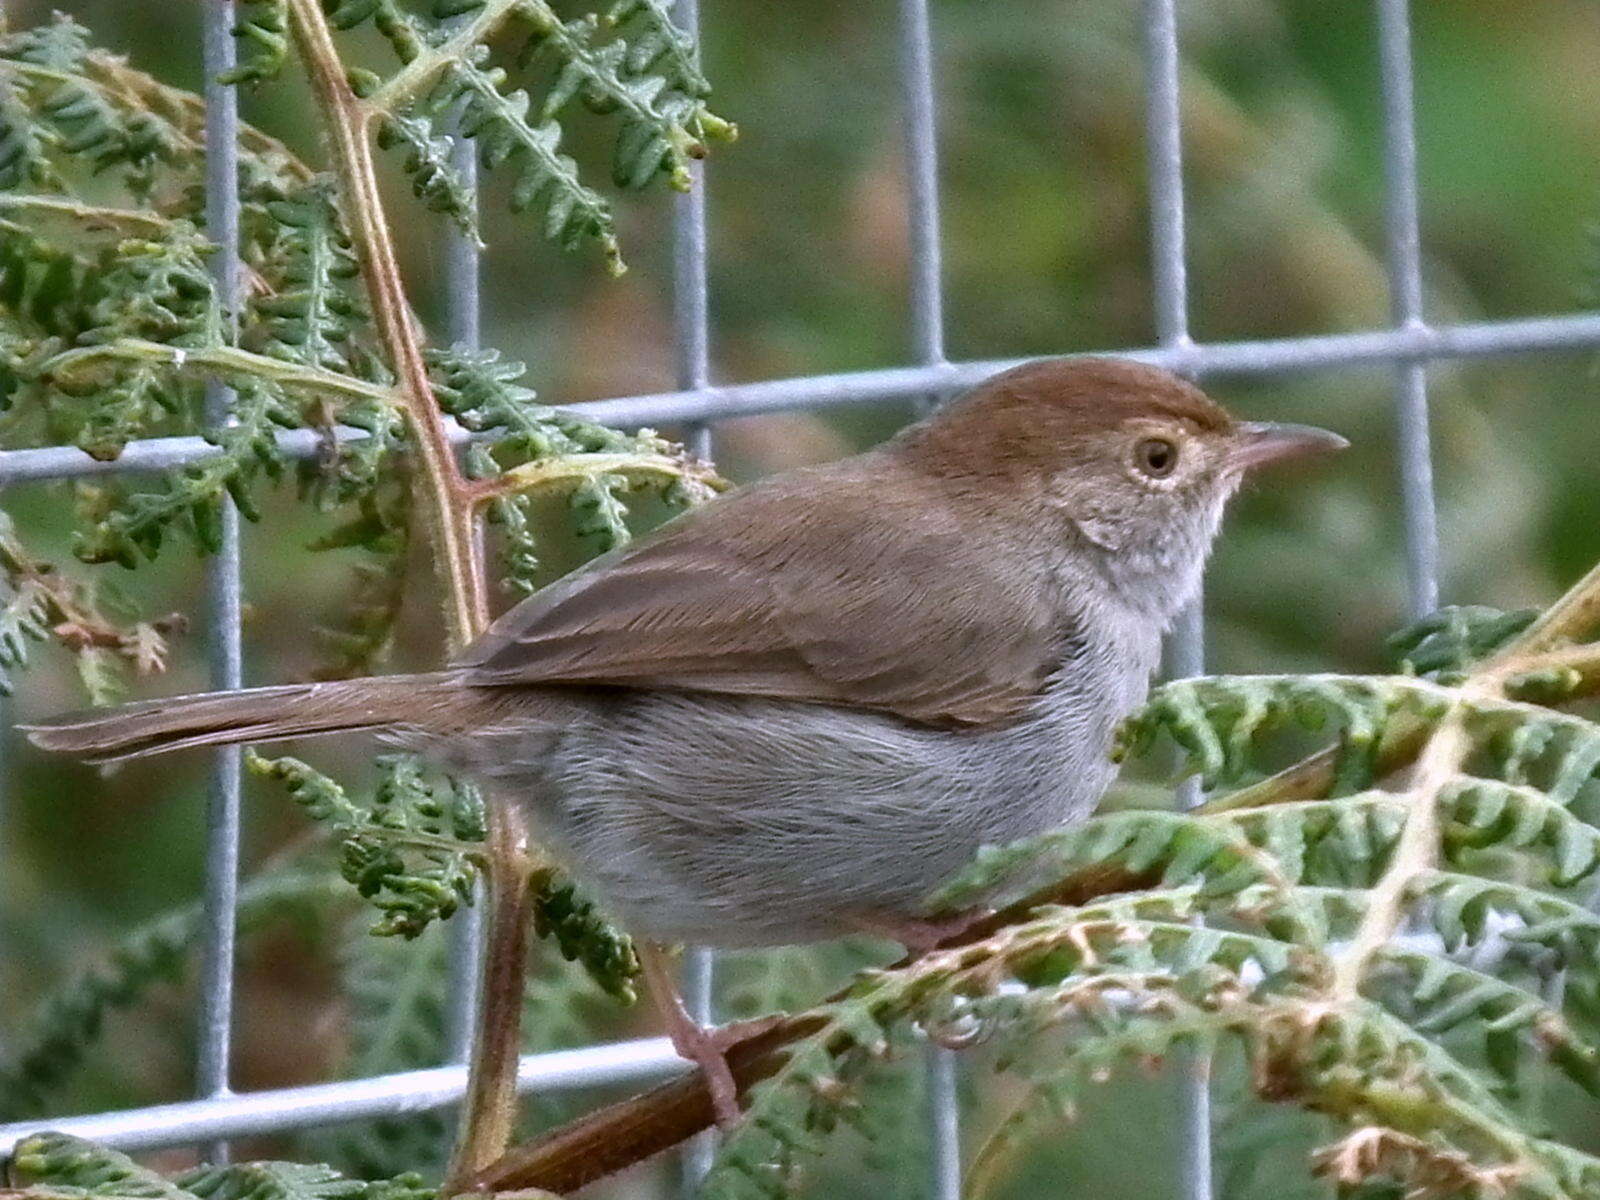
(732, 598)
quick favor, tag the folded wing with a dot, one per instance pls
(804, 589)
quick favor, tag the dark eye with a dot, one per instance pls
(1156, 457)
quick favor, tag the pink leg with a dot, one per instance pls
(706, 1048)
(917, 934)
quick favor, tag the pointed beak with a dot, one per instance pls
(1262, 442)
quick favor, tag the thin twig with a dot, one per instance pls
(449, 515)
(489, 1115)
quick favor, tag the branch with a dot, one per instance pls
(445, 496)
(620, 1135)
(489, 1114)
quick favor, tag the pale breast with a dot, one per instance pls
(738, 821)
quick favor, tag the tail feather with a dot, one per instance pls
(253, 715)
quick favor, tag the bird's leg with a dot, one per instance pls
(706, 1048)
(917, 934)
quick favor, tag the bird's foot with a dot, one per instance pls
(918, 935)
(708, 1049)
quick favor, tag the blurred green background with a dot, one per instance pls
(1046, 250)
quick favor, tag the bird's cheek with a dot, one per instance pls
(1105, 532)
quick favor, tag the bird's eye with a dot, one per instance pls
(1156, 457)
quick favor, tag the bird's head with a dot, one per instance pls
(1125, 466)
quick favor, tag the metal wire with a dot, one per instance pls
(691, 299)
(463, 321)
(1404, 246)
(1266, 356)
(925, 296)
(1406, 349)
(222, 583)
(1186, 648)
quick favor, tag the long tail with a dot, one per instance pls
(254, 715)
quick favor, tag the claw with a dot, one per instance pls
(706, 1048)
(918, 935)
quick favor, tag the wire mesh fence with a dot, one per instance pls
(1407, 346)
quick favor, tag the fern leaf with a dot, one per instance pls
(310, 318)
(411, 852)
(58, 1160)
(427, 162)
(656, 42)
(139, 524)
(26, 143)
(545, 178)
(68, 1022)
(599, 512)
(661, 128)
(583, 935)
(263, 34)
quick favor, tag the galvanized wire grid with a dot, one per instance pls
(1408, 345)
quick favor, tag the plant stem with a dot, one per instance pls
(490, 1111)
(1575, 614)
(579, 468)
(1416, 851)
(90, 214)
(489, 1114)
(445, 502)
(225, 360)
(417, 73)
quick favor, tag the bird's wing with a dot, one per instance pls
(902, 613)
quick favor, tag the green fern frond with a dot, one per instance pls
(24, 615)
(519, 545)
(545, 178)
(69, 1021)
(1217, 720)
(139, 524)
(583, 935)
(91, 124)
(56, 1166)
(599, 513)
(480, 389)
(1448, 641)
(160, 291)
(1488, 813)
(60, 1161)
(412, 851)
(656, 42)
(312, 315)
(661, 128)
(427, 162)
(27, 144)
(263, 33)
(61, 45)
(1175, 848)
(42, 283)
(294, 1181)
(1438, 996)
(398, 27)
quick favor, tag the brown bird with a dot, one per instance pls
(791, 713)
